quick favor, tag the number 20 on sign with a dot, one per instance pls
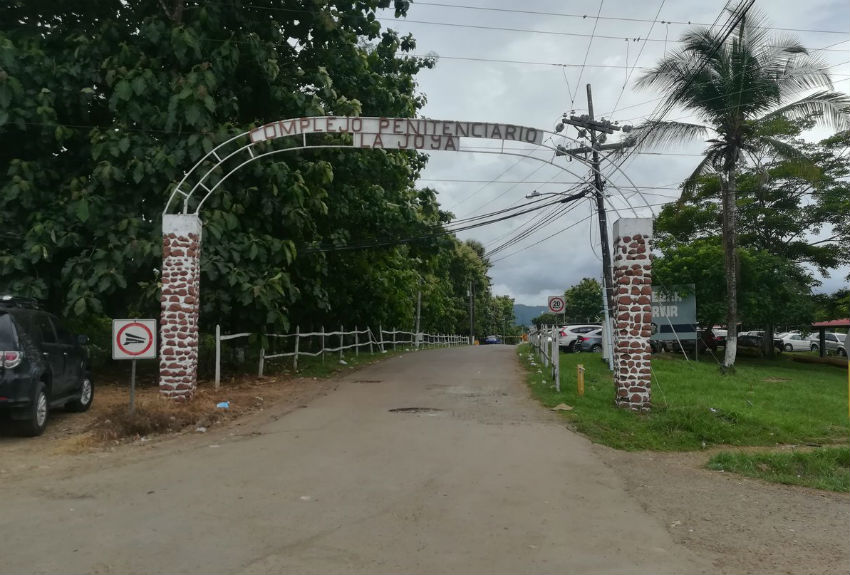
(556, 304)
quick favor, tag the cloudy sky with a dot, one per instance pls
(528, 63)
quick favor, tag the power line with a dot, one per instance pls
(642, 46)
(556, 233)
(533, 31)
(587, 53)
(822, 69)
(437, 233)
(488, 182)
(532, 228)
(612, 18)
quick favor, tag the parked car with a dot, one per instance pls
(42, 365)
(792, 342)
(835, 342)
(755, 333)
(751, 340)
(590, 341)
(568, 334)
(705, 339)
(491, 339)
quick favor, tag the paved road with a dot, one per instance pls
(490, 483)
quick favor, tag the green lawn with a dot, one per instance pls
(823, 468)
(763, 403)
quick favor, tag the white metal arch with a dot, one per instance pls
(235, 153)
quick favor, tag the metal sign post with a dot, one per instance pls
(132, 387)
(133, 339)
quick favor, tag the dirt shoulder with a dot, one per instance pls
(751, 525)
(75, 440)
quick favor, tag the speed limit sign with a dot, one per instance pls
(556, 303)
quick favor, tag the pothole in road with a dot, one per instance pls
(420, 410)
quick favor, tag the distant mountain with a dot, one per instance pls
(525, 313)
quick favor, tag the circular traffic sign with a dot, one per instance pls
(140, 340)
(556, 304)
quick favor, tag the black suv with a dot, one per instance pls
(42, 365)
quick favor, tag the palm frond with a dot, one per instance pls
(689, 186)
(662, 135)
(669, 72)
(796, 161)
(829, 108)
(801, 73)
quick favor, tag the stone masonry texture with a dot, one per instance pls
(632, 270)
(181, 269)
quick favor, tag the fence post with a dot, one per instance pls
(381, 340)
(356, 343)
(323, 344)
(341, 341)
(556, 360)
(297, 340)
(217, 356)
(369, 331)
(394, 332)
(262, 361)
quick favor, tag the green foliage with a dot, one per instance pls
(103, 107)
(747, 89)
(548, 318)
(824, 468)
(779, 209)
(832, 306)
(773, 291)
(584, 302)
(762, 403)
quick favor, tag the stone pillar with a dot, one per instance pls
(181, 274)
(632, 270)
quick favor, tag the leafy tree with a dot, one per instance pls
(104, 105)
(739, 88)
(547, 318)
(584, 302)
(779, 210)
(832, 306)
(773, 291)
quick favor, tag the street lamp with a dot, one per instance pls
(567, 197)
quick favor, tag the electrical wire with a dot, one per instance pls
(587, 53)
(642, 46)
(494, 180)
(612, 18)
(437, 233)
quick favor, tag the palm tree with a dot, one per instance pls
(739, 89)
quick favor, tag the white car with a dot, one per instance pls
(835, 342)
(793, 342)
(568, 334)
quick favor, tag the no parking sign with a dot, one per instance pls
(133, 338)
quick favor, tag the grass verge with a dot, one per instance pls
(765, 402)
(824, 468)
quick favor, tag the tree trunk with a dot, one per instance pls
(731, 263)
(767, 341)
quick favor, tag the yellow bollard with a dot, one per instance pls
(580, 369)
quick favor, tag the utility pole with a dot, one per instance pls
(471, 313)
(587, 123)
(418, 314)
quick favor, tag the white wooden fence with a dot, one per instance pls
(545, 343)
(361, 338)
